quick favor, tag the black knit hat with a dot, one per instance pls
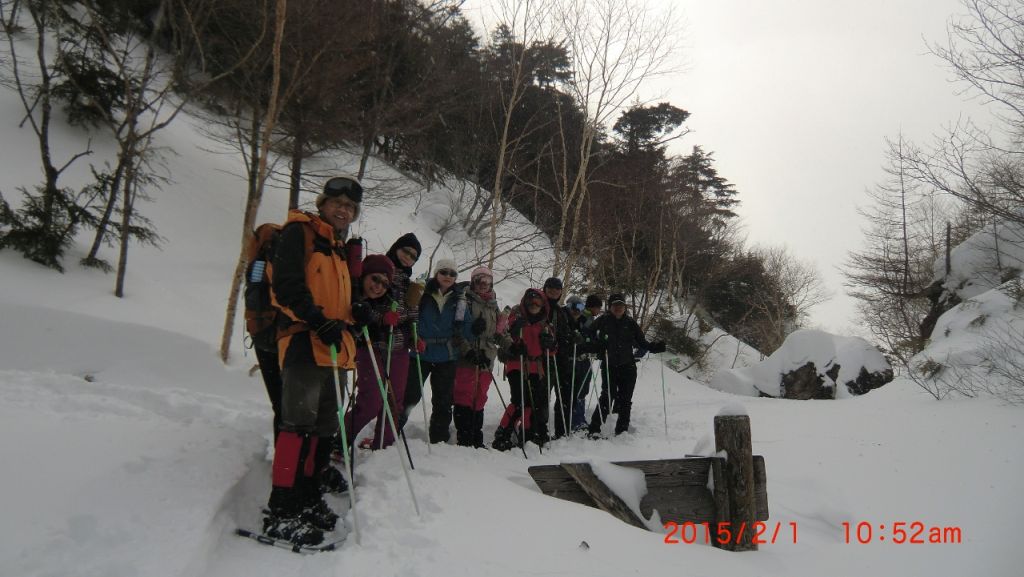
(406, 240)
(616, 298)
(553, 282)
(594, 301)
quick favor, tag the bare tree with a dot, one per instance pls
(526, 23)
(615, 46)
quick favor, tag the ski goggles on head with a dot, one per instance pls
(339, 186)
(578, 306)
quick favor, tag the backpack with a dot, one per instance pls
(261, 316)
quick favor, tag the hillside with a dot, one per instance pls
(130, 450)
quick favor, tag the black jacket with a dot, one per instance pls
(619, 336)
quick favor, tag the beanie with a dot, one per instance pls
(406, 240)
(553, 282)
(481, 271)
(343, 185)
(594, 301)
(445, 263)
(616, 298)
(378, 264)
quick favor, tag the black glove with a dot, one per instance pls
(517, 349)
(457, 339)
(547, 341)
(657, 347)
(330, 331)
(482, 361)
(471, 357)
(478, 326)
(362, 313)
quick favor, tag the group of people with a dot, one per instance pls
(341, 311)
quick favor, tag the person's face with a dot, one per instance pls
(339, 212)
(595, 311)
(407, 256)
(482, 284)
(446, 278)
(533, 306)
(576, 310)
(618, 309)
(375, 285)
(553, 293)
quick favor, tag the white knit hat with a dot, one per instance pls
(445, 263)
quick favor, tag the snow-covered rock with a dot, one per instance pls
(809, 364)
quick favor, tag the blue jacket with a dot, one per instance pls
(437, 325)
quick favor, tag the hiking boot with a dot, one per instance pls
(502, 439)
(320, 516)
(294, 529)
(333, 481)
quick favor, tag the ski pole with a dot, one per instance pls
(419, 370)
(391, 418)
(533, 407)
(344, 444)
(664, 402)
(392, 397)
(522, 404)
(572, 389)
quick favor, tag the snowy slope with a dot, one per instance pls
(129, 450)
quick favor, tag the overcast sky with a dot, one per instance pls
(795, 98)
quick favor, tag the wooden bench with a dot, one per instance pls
(679, 488)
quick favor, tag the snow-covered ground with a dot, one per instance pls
(128, 449)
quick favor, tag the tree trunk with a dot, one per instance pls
(298, 152)
(256, 196)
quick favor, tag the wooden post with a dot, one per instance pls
(732, 435)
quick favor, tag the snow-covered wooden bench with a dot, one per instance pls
(726, 490)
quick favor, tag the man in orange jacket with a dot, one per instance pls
(312, 285)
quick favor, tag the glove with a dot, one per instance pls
(547, 341)
(482, 361)
(478, 326)
(390, 319)
(471, 357)
(657, 347)
(457, 340)
(420, 346)
(330, 332)
(517, 349)
(362, 313)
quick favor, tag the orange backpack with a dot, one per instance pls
(261, 316)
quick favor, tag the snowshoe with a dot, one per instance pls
(296, 530)
(502, 439)
(320, 516)
(330, 545)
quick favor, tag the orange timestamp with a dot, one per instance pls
(724, 532)
(900, 532)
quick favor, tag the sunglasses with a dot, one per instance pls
(578, 306)
(380, 280)
(338, 186)
(482, 280)
(448, 272)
